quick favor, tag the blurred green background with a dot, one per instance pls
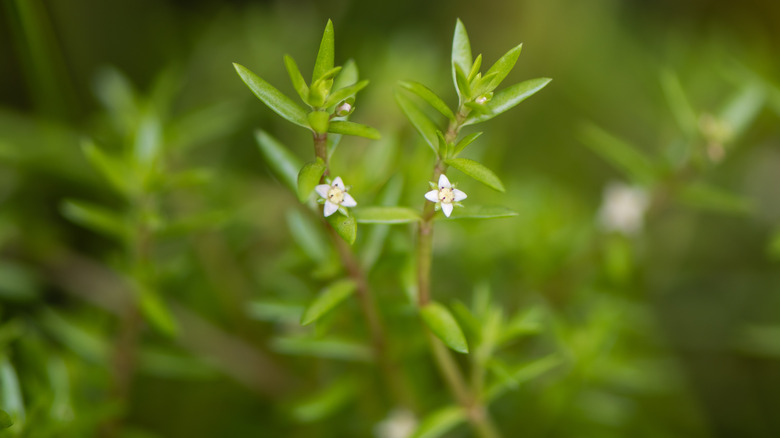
(670, 331)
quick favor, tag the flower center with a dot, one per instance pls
(446, 196)
(335, 195)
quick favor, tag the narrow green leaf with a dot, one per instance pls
(10, 390)
(444, 326)
(377, 234)
(503, 66)
(274, 310)
(440, 422)
(351, 128)
(707, 197)
(475, 68)
(272, 97)
(443, 145)
(330, 348)
(637, 166)
(147, 144)
(307, 235)
(461, 51)
(467, 140)
(345, 226)
(420, 120)
(522, 323)
(157, 313)
(326, 402)
(284, 164)
(429, 96)
(5, 420)
(471, 211)
(478, 172)
(297, 78)
(326, 53)
(513, 378)
(95, 218)
(386, 215)
(508, 98)
(742, 109)
(348, 75)
(343, 93)
(111, 168)
(463, 84)
(678, 102)
(327, 299)
(308, 178)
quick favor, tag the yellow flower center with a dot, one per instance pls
(446, 196)
(335, 195)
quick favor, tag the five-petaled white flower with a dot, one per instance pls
(445, 195)
(336, 197)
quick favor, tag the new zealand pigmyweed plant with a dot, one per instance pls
(330, 99)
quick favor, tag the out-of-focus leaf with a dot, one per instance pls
(707, 197)
(10, 391)
(327, 299)
(762, 341)
(468, 322)
(115, 92)
(461, 51)
(471, 211)
(86, 344)
(204, 125)
(96, 218)
(348, 75)
(429, 96)
(501, 68)
(526, 322)
(637, 166)
(326, 53)
(467, 140)
(774, 245)
(345, 226)
(61, 405)
(511, 379)
(508, 98)
(343, 93)
(308, 178)
(478, 172)
(386, 215)
(160, 362)
(440, 422)
(272, 97)
(17, 283)
(742, 109)
(157, 313)
(147, 144)
(306, 234)
(444, 326)
(296, 78)
(5, 420)
(275, 310)
(326, 402)
(678, 102)
(376, 236)
(352, 128)
(112, 169)
(284, 164)
(327, 348)
(420, 120)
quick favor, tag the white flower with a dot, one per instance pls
(623, 208)
(401, 423)
(445, 195)
(335, 196)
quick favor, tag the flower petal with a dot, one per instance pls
(348, 201)
(444, 183)
(432, 196)
(330, 208)
(338, 183)
(459, 195)
(446, 208)
(322, 190)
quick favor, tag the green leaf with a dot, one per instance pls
(429, 96)
(306, 233)
(508, 98)
(511, 379)
(351, 128)
(467, 140)
(440, 422)
(503, 66)
(478, 172)
(326, 53)
(95, 218)
(345, 226)
(377, 234)
(5, 420)
(329, 298)
(147, 144)
(444, 326)
(329, 348)
(522, 323)
(678, 102)
(297, 78)
(326, 402)
(742, 109)
(461, 51)
(386, 215)
(470, 211)
(343, 93)
(111, 168)
(623, 156)
(347, 76)
(475, 68)
(284, 164)
(420, 120)
(275, 311)
(706, 197)
(272, 97)
(157, 313)
(462, 82)
(10, 391)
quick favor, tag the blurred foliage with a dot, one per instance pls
(126, 119)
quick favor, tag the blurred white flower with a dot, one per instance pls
(623, 208)
(335, 196)
(445, 195)
(401, 423)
